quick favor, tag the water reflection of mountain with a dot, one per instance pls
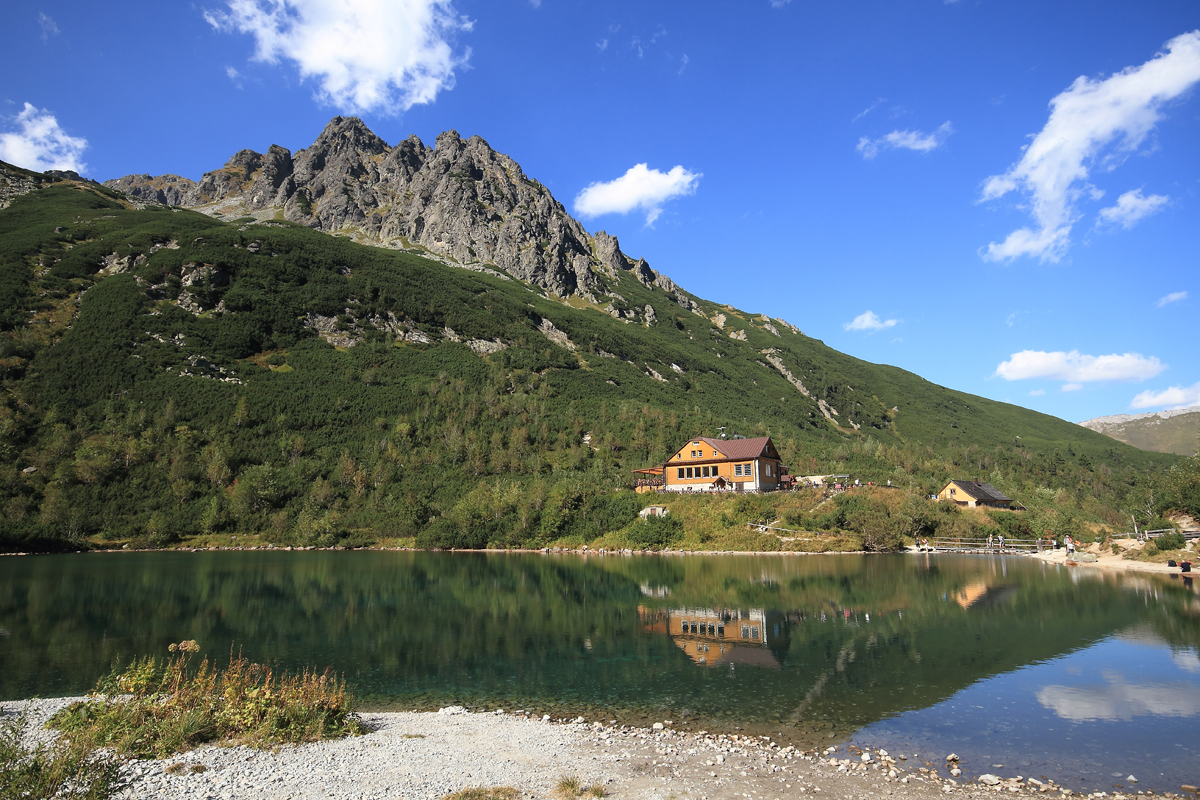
(859, 638)
(722, 637)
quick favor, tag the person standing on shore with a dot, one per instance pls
(1070, 546)
(1002, 543)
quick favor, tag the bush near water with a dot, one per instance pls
(127, 419)
(156, 707)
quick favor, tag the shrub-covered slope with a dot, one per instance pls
(167, 374)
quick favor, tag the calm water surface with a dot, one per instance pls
(1074, 674)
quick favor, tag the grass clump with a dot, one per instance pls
(571, 787)
(70, 768)
(481, 793)
(158, 707)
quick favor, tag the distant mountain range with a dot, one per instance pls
(1176, 431)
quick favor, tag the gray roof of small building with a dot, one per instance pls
(982, 491)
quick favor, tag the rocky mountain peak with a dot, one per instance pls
(460, 201)
(345, 135)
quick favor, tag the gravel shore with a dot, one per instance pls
(425, 756)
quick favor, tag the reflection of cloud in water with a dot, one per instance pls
(1186, 660)
(1141, 634)
(1121, 700)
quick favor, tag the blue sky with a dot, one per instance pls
(1003, 197)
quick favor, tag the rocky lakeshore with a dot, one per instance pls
(425, 756)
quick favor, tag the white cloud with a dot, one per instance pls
(602, 45)
(1037, 393)
(1173, 297)
(1085, 120)
(49, 26)
(1072, 387)
(639, 188)
(1132, 207)
(779, 3)
(684, 65)
(878, 102)
(1076, 368)
(38, 143)
(1175, 397)
(905, 140)
(869, 321)
(366, 55)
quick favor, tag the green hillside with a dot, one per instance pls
(167, 375)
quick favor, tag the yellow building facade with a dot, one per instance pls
(706, 464)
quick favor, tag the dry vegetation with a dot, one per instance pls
(155, 708)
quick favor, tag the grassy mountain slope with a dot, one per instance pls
(168, 374)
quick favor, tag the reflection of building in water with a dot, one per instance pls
(716, 637)
(979, 594)
(969, 595)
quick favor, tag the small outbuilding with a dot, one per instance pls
(973, 494)
(653, 511)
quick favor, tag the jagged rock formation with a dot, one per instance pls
(459, 200)
(16, 181)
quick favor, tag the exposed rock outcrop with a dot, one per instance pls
(460, 201)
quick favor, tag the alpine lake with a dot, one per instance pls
(1080, 675)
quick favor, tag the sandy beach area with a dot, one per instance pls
(1105, 559)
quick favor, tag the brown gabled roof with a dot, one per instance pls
(982, 491)
(737, 448)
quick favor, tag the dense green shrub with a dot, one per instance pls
(1013, 524)
(655, 532)
(1169, 541)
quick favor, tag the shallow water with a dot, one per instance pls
(1074, 674)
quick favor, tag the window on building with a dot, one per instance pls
(681, 472)
(737, 470)
(720, 630)
(745, 631)
(754, 632)
(705, 470)
(689, 472)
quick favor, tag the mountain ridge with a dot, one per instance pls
(459, 201)
(1174, 430)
